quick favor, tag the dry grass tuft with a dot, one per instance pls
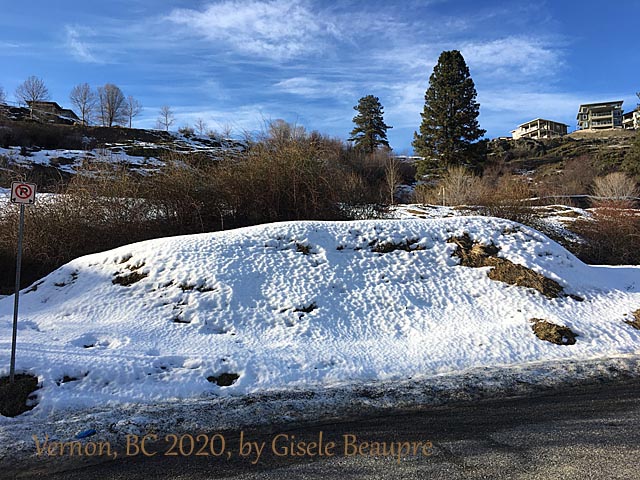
(550, 332)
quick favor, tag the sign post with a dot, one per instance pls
(23, 194)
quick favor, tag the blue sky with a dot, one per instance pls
(238, 64)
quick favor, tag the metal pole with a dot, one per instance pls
(12, 369)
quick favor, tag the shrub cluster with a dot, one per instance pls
(610, 237)
(280, 177)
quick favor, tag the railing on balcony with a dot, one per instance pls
(601, 114)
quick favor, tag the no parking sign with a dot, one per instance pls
(23, 193)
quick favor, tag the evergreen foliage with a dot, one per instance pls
(450, 116)
(370, 131)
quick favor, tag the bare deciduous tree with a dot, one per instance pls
(84, 99)
(32, 90)
(166, 118)
(113, 105)
(3, 97)
(280, 131)
(616, 187)
(226, 131)
(392, 179)
(201, 126)
(133, 108)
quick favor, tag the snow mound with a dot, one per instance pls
(305, 305)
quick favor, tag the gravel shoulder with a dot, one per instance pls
(456, 413)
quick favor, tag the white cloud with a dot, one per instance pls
(313, 88)
(77, 47)
(512, 56)
(507, 57)
(239, 119)
(544, 103)
(276, 29)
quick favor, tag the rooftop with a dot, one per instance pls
(542, 120)
(615, 102)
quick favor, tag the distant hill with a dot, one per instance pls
(54, 147)
(604, 151)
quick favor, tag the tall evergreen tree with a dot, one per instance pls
(450, 116)
(370, 131)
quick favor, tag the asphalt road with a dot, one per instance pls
(578, 433)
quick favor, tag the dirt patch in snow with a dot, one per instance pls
(553, 333)
(202, 288)
(308, 309)
(303, 248)
(475, 255)
(514, 274)
(224, 379)
(635, 323)
(409, 245)
(74, 277)
(129, 279)
(16, 398)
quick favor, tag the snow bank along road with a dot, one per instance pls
(307, 307)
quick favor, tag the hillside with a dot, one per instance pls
(50, 151)
(598, 152)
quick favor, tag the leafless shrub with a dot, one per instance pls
(615, 190)
(392, 179)
(507, 196)
(575, 178)
(458, 186)
(291, 176)
(102, 207)
(611, 237)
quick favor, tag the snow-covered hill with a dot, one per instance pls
(306, 305)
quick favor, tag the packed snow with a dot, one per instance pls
(298, 305)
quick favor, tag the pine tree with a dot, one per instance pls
(449, 119)
(370, 131)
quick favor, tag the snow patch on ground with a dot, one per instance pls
(69, 161)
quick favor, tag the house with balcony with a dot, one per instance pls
(539, 128)
(631, 120)
(600, 116)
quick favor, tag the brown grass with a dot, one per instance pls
(611, 237)
(475, 255)
(550, 332)
(128, 279)
(635, 323)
